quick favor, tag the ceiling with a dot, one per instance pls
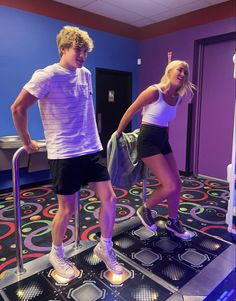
(140, 13)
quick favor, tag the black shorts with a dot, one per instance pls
(68, 175)
(153, 140)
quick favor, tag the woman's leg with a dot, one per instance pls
(170, 185)
(173, 200)
(168, 189)
(173, 224)
(166, 171)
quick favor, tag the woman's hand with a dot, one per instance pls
(118, 134)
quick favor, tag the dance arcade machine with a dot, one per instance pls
(226, 290)
(231, 175)
(157, 265)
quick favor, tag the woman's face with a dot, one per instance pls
(178, 76)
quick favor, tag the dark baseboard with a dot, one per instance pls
(26, 186)
(185, 173)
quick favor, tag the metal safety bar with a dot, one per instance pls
(144, 190)
(16, 193)
(77, 219)
(145, 174)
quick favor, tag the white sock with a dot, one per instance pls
(106, 242)
(59, 250)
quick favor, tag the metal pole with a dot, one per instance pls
(77, 219)
(144, 190)
(145, 172)
(16, 193)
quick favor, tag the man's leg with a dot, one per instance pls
(104, 249)
(60, 223)
(66, 205)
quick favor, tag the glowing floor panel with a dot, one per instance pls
(174, 260)
(94, 283)
(157, 267)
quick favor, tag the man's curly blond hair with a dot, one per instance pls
(70, 36)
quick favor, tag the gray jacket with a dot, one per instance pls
(124, 166)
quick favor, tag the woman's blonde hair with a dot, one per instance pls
(165, 80)
(70, 36)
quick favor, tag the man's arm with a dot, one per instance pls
(19, 111)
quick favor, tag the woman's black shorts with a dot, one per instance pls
(153, 140)
(68, 175)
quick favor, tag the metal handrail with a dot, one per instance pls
(77, 219)
(20, 270)
(16, 193)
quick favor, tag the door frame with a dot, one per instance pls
(194, 108)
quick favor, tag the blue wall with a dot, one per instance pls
(28, 42)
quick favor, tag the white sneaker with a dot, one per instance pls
(109, 258)
(62, 265)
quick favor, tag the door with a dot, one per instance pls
(113, 97)
(217, 109)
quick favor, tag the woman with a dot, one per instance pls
(159, 103)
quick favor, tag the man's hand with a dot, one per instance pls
(32, 147)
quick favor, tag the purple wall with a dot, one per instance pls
(153, 53)
(217, 109)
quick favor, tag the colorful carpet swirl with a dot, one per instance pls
(203, 206)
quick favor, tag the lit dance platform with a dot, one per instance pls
(157, 266)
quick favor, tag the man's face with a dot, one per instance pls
(74, 57)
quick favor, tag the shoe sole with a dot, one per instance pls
(109, 269)
(177, 234)
(64, 276)
(146, 225)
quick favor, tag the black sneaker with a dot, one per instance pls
(175, 226)
(145, 215)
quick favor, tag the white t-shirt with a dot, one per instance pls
(66, 107)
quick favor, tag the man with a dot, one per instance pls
(64, 94)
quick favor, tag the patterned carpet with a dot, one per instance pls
(203, 206)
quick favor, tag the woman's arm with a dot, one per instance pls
(147, 96)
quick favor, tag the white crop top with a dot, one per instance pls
(159, 112)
